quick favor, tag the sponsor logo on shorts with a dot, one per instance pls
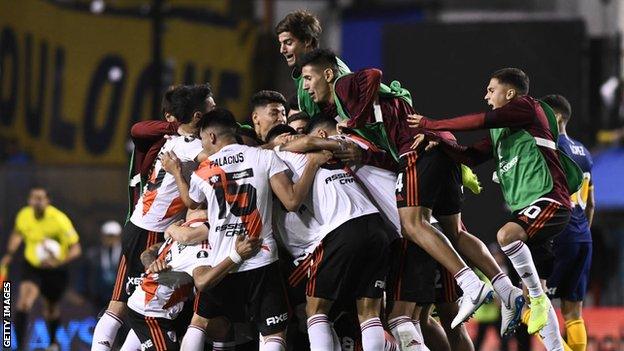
(551, 291)
(146, 345)
(132, 283)
(277, 319)
(380, 284)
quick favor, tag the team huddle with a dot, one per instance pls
(339, 227)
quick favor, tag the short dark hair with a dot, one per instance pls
(299, 116)
(265, 97)
(514, 77)
(320, 122)
(166, 103)
(248, 131)
(560, 104)
(293, 103)
(185, 101)
(221, 119)
(323, 58)
(278, 130)
(303, 25)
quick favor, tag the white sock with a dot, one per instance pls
(105, 332)
(390, 344)
(273, 343)
(502, 285)
(373, 338)
(337, 343)
(550, 333)
(319, 331)
(193, 340)
(132, 342)
(467, 280)
(405, 333)
(521, 259)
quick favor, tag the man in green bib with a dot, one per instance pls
(530, 172)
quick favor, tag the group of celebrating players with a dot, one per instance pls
(349, 214)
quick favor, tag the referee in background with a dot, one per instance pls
(50, 242)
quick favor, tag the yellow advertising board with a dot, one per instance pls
(73, 82)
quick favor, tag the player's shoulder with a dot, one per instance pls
(56, 213)
(24, 214)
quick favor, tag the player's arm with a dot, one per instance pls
(206, 277)
(517, 113)
(150, 254)
(311, 143)
(292, 194)
(187, 235)
(153, 130)
(472, 155)
(74, 251)
(171, 164)
(358, 93)
(590, 205)
(13, 244)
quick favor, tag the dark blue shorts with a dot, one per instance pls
(570, 274)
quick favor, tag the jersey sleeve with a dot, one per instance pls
(68, 234)
(195, 191)
(20, 222)
(274, 164)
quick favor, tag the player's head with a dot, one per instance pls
(299, 121)
(299, 32)
(268, 109)
(279, 130)
(247, 135)
(319, 68)
(167, 102)
(217, 129)
(561, 106)
(38, 198)
(506, 84)
(322, 126)
(191, 103)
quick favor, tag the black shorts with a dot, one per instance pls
(352, 258)
(134, 241)
(417, 277)
(430, 179)
(156, 334)
(257, 295)
(571, 268)
(542, 221)
(51, 282)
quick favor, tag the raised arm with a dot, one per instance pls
(472, 155)
(206, 277)
(153, 129)
(292, 194)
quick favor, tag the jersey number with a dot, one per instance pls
(242, 199)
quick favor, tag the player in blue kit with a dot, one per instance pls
(572, 249)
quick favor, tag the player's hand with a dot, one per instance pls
(319, 157)
(158, 266)
(247, 247)
(171, 163)
(350, 153)
(431, 140)
(340, 125)
(416, 121)
(172, 230)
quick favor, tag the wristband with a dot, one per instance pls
(235, 257)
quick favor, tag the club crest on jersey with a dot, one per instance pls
(202, 254)
(168, 257)
(214, 179)
(146, 345)
(181, 247)
(172, 335)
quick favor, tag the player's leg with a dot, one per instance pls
(576, 334)
(195, 335)
(28, 293)
(132, 342)
(433, 333)
(475, 251)
(54, 283)
(270, 310)
(457, 336)
(373, 337)
(419, 183)
(135, 240)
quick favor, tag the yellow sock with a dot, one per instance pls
(576, 334)
(525, 319)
